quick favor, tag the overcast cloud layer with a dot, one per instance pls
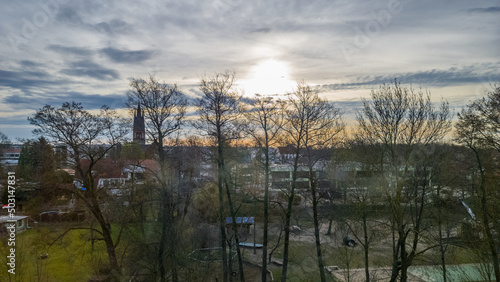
(63, 50)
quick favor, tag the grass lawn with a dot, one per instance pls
(69, 259)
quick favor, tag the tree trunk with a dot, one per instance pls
(366, 246)
(266, 216)
(399, 250)
(274, 249)
(222, 221)
(286, 243)
(167, 237)
(174, 261)
(161, 245)
(486, 221)
(443, 261)
(230, 260)
(166, 219)
(442, 248)
(395, 253)
(406, 258)
(105, 226)
(235, 231)
(110, 247)
(288, 216)
(404, 274)
(330, 222)
(108, 239)
(312, 182)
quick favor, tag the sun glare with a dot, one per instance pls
(268, 77)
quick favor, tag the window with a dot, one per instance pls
(20, 223)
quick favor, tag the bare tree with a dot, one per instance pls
(266, 120)
(220, 110)
(397, 120)
(312, 124)
(89, 137)
(164, 107)
(448, 172)
(478, 129)
(363, 193)
(4, 142)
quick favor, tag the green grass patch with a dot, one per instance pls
(68, 258)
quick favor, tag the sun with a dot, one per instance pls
(268, 77)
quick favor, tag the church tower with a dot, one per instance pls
(139, 128)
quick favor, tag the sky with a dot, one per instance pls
(53, 51)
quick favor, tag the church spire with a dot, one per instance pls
(139, 111)
(139, 127)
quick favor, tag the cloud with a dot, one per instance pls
(452, 76)
(29, 64)
(113, 27)
(80, 51)
(89, 101)
(90, 69)
(89, 45)
(261, 30)
(24, 79)
(125, 56)
(67, 15)
(485, 10)
(434, 77)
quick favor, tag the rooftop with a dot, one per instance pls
(6, 218)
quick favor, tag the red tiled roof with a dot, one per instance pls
(12, 150)
(150, 165)
(106, 168)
